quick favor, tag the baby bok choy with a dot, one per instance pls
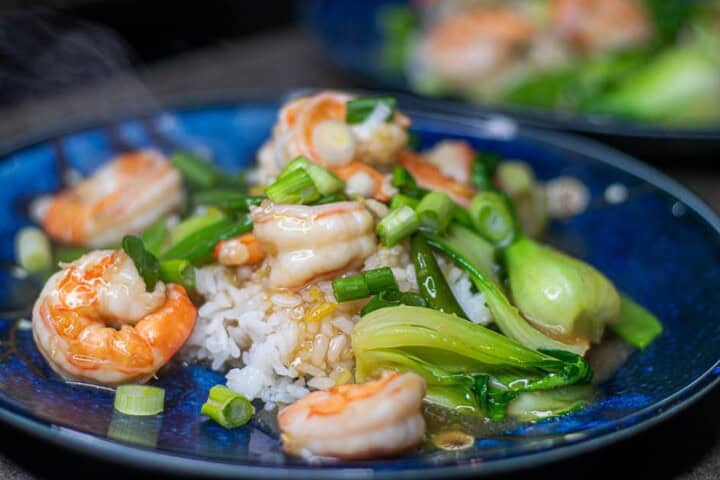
(560, 298)
(560, 294)
(468, 368)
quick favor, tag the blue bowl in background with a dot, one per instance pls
(661, 246)
(358, 46)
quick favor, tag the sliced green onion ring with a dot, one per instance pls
(139, 400)
(32, 250)
(399, 224)
(227, 408)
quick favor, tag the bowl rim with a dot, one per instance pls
(177, 463)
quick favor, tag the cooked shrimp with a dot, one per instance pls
(375, 419)
(315, 127)
(454, 158)
(242, 250)
(600, 25)
(95, 322)
(431, 177)
(304, 242)
(363, 180)
(471, 45)
(123, 197)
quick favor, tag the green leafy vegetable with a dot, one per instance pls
(636, 325)
(530, 406)
(146, 263)
(680, 85)
(506, 316)
(466, 366)
(560, 293)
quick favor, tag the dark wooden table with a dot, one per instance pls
(686, 446)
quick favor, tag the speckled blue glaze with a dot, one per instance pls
(661, 246)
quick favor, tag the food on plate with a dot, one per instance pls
(640, 60)
(351, 285)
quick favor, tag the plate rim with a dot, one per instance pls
(163, 461)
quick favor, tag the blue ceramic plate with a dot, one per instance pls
(660, 246)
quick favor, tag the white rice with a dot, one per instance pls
(267, 345)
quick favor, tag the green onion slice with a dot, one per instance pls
(178, 271)
(226, 199)
(139, 400)
(32, 249)
(359, 109)
(435, 211)
(400, 200)
(296, 187)
(399, 224)
(368, 283)
(227, 408)
(326, 182)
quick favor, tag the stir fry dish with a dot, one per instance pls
(374, 295)
(650, 61)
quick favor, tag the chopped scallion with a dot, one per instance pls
(333, 198)
(399, 200)
(198, 246)
(198, 172)
(227, 408)
(32, 250)
(195, 223)
(435, 211)
(139, 400)
(226, 199)
(155, 235)
(493, 218)
(295, 187)
(393, 298)
(399, 224)
(368, 283)
(401, 178)
(325, 181)
(178, 271)
(379, 279)
(350, 288)
(483, 172)
(357, 110)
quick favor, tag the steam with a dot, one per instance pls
(58, 70)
